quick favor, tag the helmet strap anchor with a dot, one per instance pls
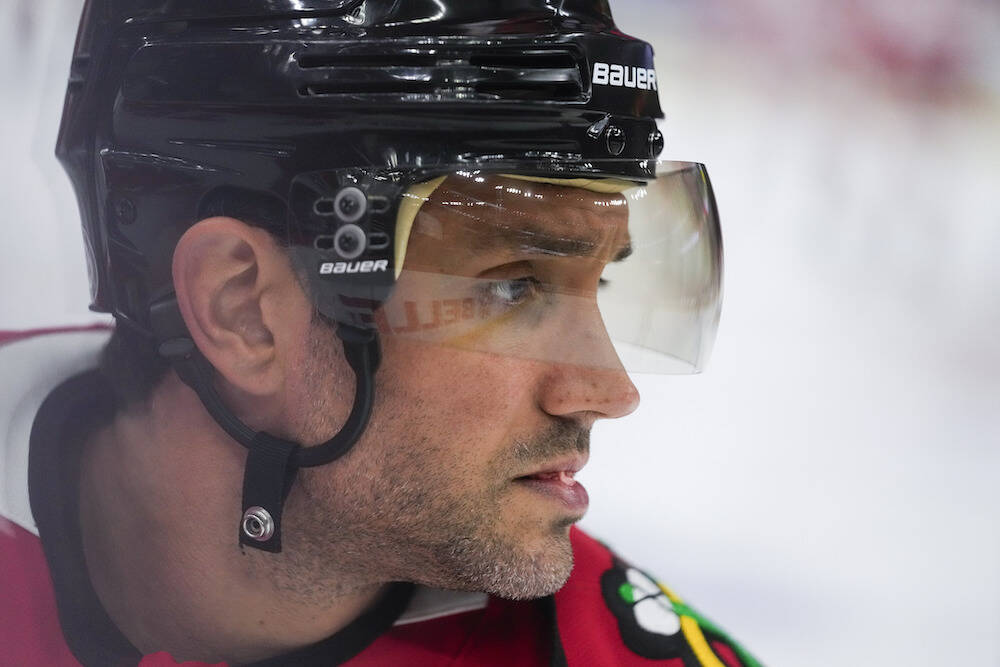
(272, 462)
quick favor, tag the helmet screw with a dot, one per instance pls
(350, 241)
(124, 211)
(350, 204)
(258, 524)
(349, 207)
(616, 140)
(348, 244)
(655, 143)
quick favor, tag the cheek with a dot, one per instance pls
(320, 386)
(470, 402)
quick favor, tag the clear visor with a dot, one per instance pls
(593, 272)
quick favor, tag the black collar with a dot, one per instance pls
(73, 411)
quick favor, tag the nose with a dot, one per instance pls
(585, 379)
(588, 382)
(587, 393)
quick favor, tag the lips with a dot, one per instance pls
(557, 482)
(564, 476)
(564, 469)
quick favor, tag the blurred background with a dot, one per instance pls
(828, 489)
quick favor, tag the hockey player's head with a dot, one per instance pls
(390, 248)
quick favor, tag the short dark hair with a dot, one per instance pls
(132, 366)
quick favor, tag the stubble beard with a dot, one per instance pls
(403, 520)
(384, 514)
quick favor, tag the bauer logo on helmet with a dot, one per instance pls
(624, 76)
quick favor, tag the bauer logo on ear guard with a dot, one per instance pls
(367, 266)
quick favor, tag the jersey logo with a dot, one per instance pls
(624, 76)
(655, 624)
(647, 621)
(367, 266)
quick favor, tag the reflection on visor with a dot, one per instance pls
(520, 317)
(555, 270)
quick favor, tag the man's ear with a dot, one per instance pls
(241, 302)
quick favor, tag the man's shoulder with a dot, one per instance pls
(34, 363)
(613, 612)
(30, 633)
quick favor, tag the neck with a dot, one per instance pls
(159, 509)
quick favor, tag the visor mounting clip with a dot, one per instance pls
(597, 129)
(615, 137)
(656, 143)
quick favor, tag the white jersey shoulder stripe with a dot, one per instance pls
(32, 368)
(430, 603)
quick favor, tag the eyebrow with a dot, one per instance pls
(532, 240)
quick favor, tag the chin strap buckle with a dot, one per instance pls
(267, 479)
(272, 463)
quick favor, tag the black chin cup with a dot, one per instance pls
(272, 463)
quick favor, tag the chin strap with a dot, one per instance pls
(272, 463)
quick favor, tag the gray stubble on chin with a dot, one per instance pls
(402, 532)
(399, 514)
(508, 572)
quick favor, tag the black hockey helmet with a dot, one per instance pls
(330, 123)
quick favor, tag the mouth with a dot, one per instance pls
(557, 482)
(567, 477)
(564, 468)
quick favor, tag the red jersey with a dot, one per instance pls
(608, 613)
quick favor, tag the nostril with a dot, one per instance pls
(574, 390)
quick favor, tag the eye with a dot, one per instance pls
(513, 292)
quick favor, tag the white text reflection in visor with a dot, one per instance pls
(603, 273)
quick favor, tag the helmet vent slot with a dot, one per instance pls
(362, 60)
(526, 60)
(445, 74)
(354, 88)
(323, 243)
(378, 241)
(528, 75)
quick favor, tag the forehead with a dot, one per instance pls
(492, 214)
